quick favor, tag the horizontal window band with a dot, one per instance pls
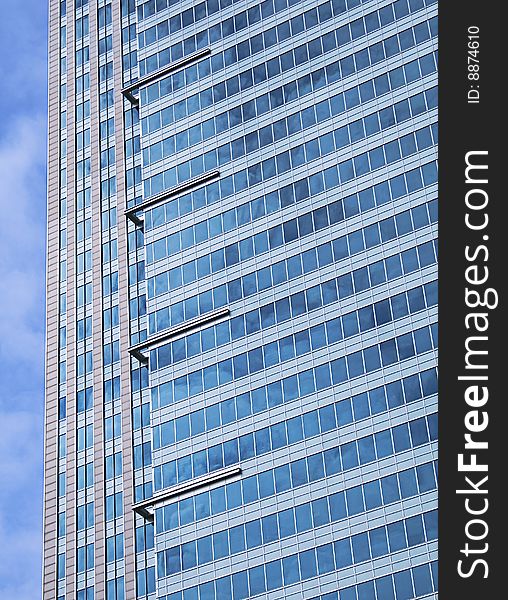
(143, 508)
(179, 64)
(137, 350)
(175, 191)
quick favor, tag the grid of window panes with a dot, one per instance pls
(85, 517)
(144, 536)
(319, 235)
(115, 544)
(76, 17)
(62, 351)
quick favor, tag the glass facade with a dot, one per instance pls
(246, 321)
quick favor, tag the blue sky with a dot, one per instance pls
(23, 33)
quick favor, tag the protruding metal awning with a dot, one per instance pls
(144, 508)
(169, 334)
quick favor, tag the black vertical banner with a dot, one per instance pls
(473, 267)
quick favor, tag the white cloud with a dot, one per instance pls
(23, 43)
(22, 206)
(22, 265)
(20, 502)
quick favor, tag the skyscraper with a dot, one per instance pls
(241, 324)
